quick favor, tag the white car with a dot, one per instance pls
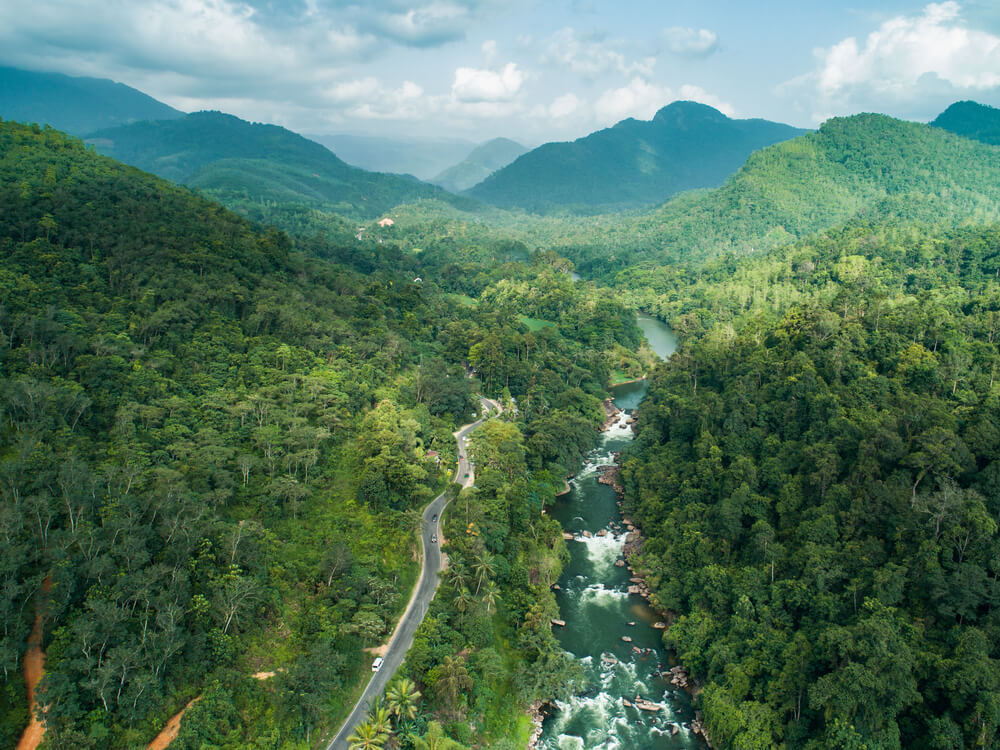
(377, 664)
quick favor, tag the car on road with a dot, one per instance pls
(434, 539)
(434, 518)
(377, 664)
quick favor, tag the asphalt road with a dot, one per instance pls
(422, 594)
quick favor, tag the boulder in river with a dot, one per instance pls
(627, 639)
(660, 625)
(560, 623)
(619, 563)
(587, 534)
(602, 532)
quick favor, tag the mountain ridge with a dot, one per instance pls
(75, 104)
(686, 145)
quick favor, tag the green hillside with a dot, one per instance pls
(867, 166)
(635, 163)
(980, 122)
(237, 159)
(77, 105)
(483, 161)
(214, 446)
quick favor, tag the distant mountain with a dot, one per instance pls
(237, 160)
(972, 120)
(635, 163)
(480, 164)
(76, 105)
(421, 157)
(868, 166)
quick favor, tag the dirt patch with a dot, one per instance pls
(378, 650)
(262, 675)
(169, 733)
(34, 668)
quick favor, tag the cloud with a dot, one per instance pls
(479, 85)
(591, 55)
(428, 26)
(642, 99)
(911, 64)
(564, 106)
(691, 42)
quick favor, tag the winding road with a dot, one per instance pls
(420, 601)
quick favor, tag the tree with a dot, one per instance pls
(366, 736)
(402, 698)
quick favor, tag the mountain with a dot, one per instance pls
(480, 164)
(75, 104)
(237, 159)
(980, 122)
(868, 167)
(421, 157)
(635, 163)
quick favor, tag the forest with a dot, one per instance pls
(216, 441)
(220, 417)
(818, 470)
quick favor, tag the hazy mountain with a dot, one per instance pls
(76, 105)
(972, 120)
(421, 157)
(236, 158)
(635, 163)
(480, 164)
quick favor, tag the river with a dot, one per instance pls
(594, 601)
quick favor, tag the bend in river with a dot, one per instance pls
(595, 603)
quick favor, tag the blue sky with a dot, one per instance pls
(527, 69)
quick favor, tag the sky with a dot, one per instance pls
(533, 70)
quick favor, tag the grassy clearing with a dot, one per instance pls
(535, 324)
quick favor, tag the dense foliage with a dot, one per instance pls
(215, 444)
(635, 163)
(819, 479)
(972, 120)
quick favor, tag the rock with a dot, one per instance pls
(619, 563)
(602, 532)
(660, 625)
(567, 536)
(626, 703)
(560, 623)
(636, 650)
(556, 587)
(631, 624)
(627, 639)
(609, 660)
(674, 729)
(587, 534)
(635, 579)
(633, 589)
(645, 705)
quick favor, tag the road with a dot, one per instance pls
(420, 601)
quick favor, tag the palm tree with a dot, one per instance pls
(435, 739)
(402, 698)
(484, 569)
(367, 737)
(453, 678)
(462, 600)
(457, 576)
(378, 716)
(490, 597)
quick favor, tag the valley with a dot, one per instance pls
(265, 413)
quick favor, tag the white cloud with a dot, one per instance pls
(638, 98)
(698, 94)
(591, 55)
(430, 25)
(480, 85)
(642, 99)
(691, 42)
(564, 106)
(913, 62)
